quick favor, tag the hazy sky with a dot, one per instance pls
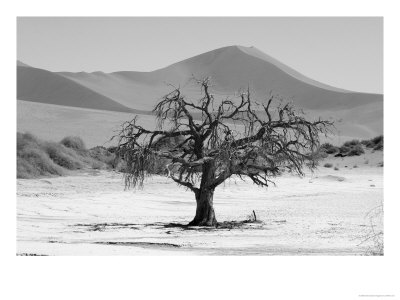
(343, 52)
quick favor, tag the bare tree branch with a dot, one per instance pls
(236, 136)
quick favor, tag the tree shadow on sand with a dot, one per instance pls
(244, 224)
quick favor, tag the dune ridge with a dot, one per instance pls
(231, 68)
(47, 87)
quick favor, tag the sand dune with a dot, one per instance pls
(47, 87)
(21, 64)
(356, 115)
(123, 88)
(96, 127)
(54, 122)
(231, 68)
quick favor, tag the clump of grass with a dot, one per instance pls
(351, 148)
(32, 161)
(328, 165)
(73, 142)
(329, 148)
(63, 156)
(378, 146)
(375, 143)
(37, 158)
(104, 156)
(336, 168)
(356, 151)
(352, 143)
(344, 149)
(378, 139)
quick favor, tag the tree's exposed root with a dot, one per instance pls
(218, 225)
(204, 223)
(237, 224)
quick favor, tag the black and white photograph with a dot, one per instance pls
(230, 151)
(192, 150)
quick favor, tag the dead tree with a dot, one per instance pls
(219, 139)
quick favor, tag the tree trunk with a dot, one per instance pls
(205, 215)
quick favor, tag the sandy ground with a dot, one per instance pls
(90, 213)
(54, 122)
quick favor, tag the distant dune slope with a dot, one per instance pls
(54, 122)
(231, 68)
(122, 88)
(47, 87)
(21, 64)
(96, 127)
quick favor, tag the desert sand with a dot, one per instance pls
(39, 85)
(96, 127)
(358, 115)
(90, 213)
(231, 68)
(54, 122)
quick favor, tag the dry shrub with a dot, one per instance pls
(378, 139)
(379, 146)
(376, 143)
(351, 148)
(329, 148)
(73, 142)
(344, 149)
(103, 157)
(352, 143)
(37, 158)
(63, 156)
(356, 151)
(328, 165)
(332, 150)
(32, 161)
